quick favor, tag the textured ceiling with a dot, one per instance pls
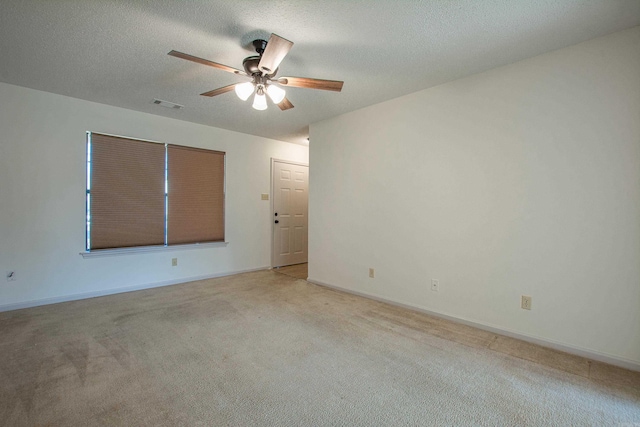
(115, 52)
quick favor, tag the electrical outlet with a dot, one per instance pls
(525, 302)
(372, 273)
(11, 276)
(174, 262)
(435, 285)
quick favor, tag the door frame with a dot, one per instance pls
(271, 208)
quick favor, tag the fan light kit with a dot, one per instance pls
(262, 69)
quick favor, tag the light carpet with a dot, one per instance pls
(263, 348)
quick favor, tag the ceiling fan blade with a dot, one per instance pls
(308, 83)
(220, 90)
(277, 48)
(205, 62)
(285, 104)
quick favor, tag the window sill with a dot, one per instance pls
(149, 249)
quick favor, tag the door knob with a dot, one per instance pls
(277, 221)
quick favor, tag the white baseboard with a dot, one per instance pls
(578, 351)
(111, 291)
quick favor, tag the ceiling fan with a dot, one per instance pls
(262, 70)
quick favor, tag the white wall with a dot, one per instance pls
(521, 180)
(42, 198)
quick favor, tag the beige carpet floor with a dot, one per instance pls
(267, 349)
(299, 271)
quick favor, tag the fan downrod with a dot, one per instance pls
(259, 45)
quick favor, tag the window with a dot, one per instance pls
(142, 193)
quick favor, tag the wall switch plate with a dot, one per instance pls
(525, 302)
(11, 276)
(372, 273)
(435, 285)
(265, 196)
(174, 262)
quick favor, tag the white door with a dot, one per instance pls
(290, 207)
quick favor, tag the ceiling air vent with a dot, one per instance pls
(168, 104)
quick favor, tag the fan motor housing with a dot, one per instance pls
(250, 65)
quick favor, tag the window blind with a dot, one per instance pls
(126, 190)
(196, 195)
